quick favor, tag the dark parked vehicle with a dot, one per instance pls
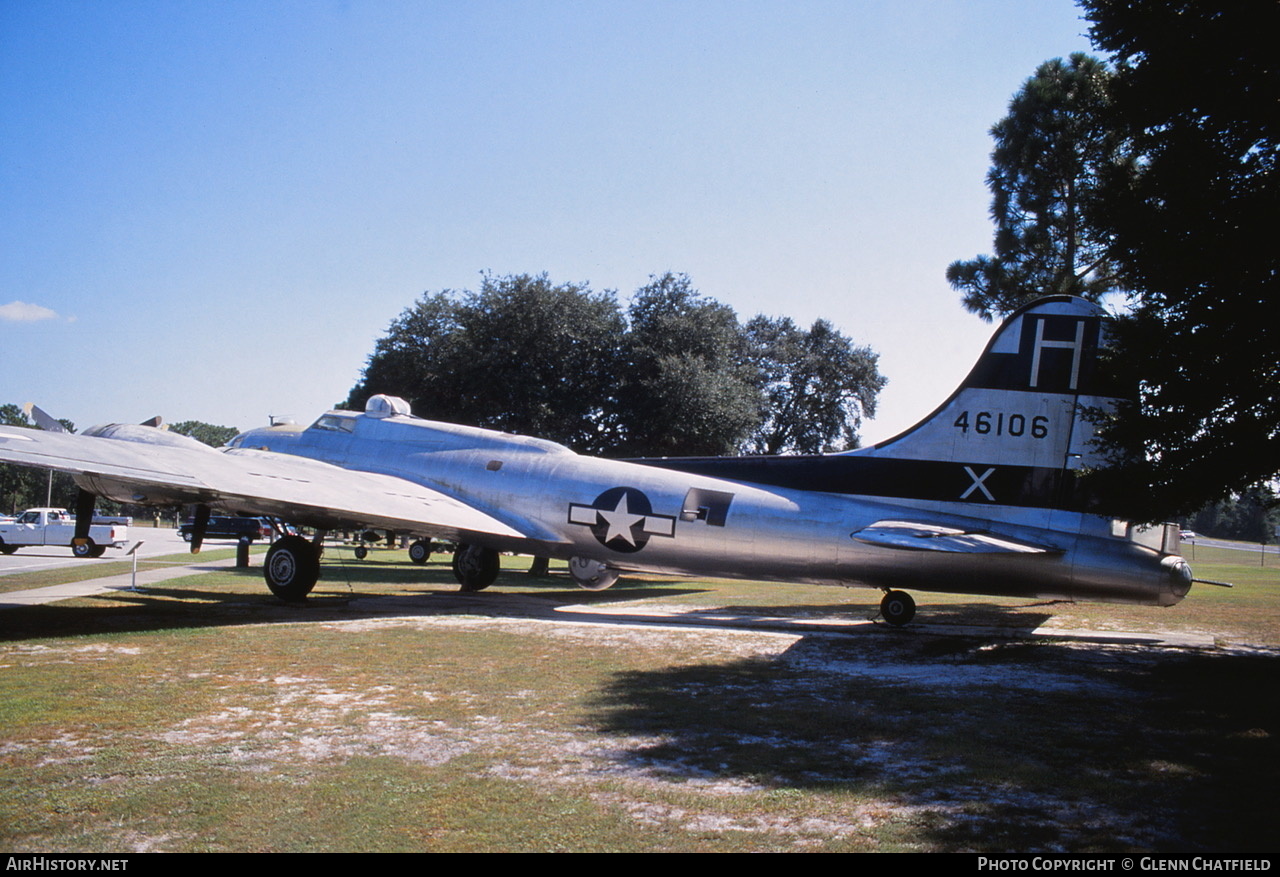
(230, 528)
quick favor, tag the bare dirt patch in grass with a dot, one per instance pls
(30, 653)
(313, 719)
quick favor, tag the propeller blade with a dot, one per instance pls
(198, 528)
(84, 516)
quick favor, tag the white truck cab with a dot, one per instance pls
(50, 526)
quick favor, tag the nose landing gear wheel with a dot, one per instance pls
(897, 608)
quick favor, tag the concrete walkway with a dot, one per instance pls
(91, 587)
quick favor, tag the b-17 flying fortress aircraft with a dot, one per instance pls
(981, 497)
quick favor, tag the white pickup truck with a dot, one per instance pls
(58, 527)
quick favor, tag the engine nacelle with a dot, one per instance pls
(147, 435)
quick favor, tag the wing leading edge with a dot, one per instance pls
(256, 482)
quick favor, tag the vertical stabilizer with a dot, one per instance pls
(1015, 426)
(1013, 434)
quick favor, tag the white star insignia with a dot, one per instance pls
(620, 521)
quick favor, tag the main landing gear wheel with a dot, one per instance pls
(420, 551)
(85, 549)
(592, 575)
(897, 608)
(475, 567)
(292, 568)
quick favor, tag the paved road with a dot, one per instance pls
(1210, 542)
(145, 578)
(155, 543)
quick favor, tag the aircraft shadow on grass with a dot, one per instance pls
(973, 746)
(358, 586)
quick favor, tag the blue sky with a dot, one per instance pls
(211, 210)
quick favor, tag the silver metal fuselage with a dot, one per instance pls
(983, 496)
(641, 517)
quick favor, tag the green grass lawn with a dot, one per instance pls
(391, 713)
(82, 572)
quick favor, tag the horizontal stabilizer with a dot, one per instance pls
(915, 536)
(43, 419)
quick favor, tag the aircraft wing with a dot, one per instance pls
(918, 536)
(295, 489)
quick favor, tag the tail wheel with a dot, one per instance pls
(897, 608)
(420, 551)
(292, 568)
(475, 567)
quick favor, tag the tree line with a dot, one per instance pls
(1252, 516)
(1154, 177)
(674, 373)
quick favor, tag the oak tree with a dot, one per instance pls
(817, 385)
(688, 387)
(521, 354)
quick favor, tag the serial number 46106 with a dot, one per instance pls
(999, 423)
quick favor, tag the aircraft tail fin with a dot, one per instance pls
(1013, 434)
(1015, 428)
